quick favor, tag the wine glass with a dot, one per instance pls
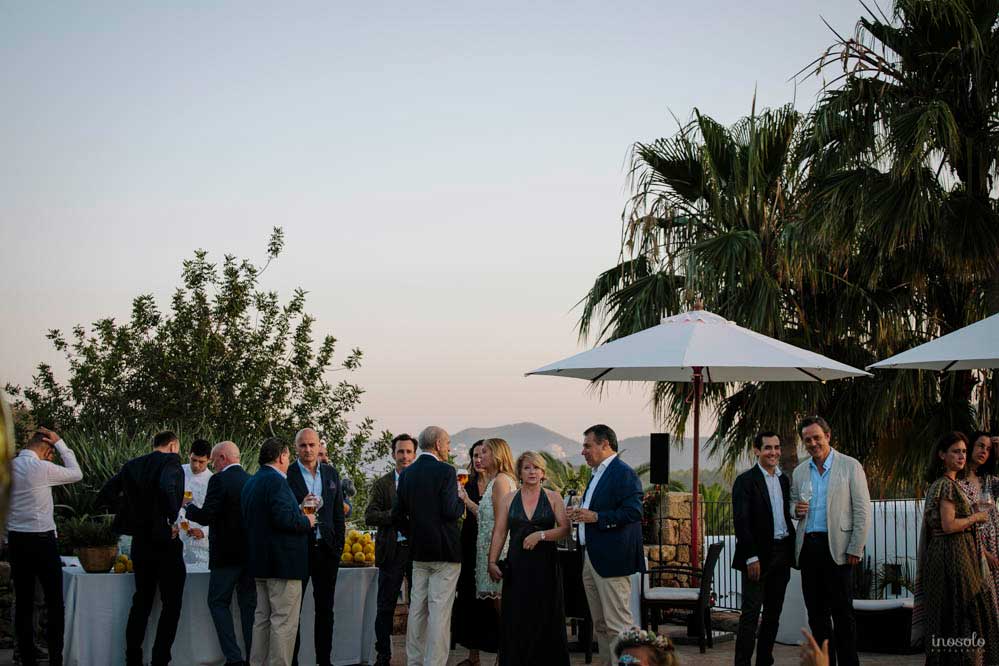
(311, 504)
(985, 498)
(462, 476)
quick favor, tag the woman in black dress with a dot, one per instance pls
(475, 622)
(533, 626)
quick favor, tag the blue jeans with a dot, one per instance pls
(221, 584)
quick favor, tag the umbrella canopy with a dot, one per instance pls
(727, 352)
(973, 347)
(698, 346)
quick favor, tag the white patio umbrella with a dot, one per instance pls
(973, 347)
(698, 346)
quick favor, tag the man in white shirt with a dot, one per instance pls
(34, 552)
(610, 533)
(764, 549)
(196, 476)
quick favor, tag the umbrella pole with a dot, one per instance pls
(694, 517)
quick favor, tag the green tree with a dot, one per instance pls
(227, 357)
(715, 215)
(563, 476)
(903, 164)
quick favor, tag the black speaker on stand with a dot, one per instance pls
(659, 458)
(659, 476)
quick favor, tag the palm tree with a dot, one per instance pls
(903, 159)
(715, 215)
(563, 476)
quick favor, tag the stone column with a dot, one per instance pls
(675, 514)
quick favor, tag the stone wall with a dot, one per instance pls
(675, 514)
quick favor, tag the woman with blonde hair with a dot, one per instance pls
(532, 627)
(497, 465)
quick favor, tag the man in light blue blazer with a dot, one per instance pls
(829, 496)
(610, 533)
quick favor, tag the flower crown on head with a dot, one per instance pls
(642, 637)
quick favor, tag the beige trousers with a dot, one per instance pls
(609, 602)
(428, 636)
(275, 624)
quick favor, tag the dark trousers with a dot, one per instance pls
(767, 592)
(828, 591)
(323, 569)
(221, 584)
(390, 576)
(156, 565)
(36, 555)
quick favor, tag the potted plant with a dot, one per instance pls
(93, 540)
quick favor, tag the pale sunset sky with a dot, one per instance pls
(450, 176)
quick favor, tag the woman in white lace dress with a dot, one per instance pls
(497, 460)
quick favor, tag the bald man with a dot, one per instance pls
(226, 544)
(309, 477)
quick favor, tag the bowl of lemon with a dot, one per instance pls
(358, 551)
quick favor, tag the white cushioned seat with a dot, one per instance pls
(671, 593)
(881, 604)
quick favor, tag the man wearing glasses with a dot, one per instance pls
(34, 552)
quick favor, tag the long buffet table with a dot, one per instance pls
(97, 609)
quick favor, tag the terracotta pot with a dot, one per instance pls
(97, 559)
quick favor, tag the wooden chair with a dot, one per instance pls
(682, 598)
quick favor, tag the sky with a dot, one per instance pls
(449, 176)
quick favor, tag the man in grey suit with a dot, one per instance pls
(830, 498)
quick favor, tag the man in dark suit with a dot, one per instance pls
(307, 476)
(277, 554)
(426, 510)
(148, 492)
(226, 541)
(764, 548)
(610, 533)
(391, 548)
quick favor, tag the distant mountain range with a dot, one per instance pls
(533, 437)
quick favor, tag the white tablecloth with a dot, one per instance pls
(97, 609)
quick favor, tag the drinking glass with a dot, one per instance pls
(311, 504)
(188, 495)
(462, 476)
(985, 498)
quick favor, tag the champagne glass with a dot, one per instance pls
(188, 495)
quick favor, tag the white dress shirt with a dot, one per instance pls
(32, 479)
(597, 475)
(776, 505)
(198, 485)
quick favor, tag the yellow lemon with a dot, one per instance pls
(358, 557)
(369, 550)
(368, 559)
(120, 567)
(346, 558)
(353, 534)
(357, 548)
(129, 566)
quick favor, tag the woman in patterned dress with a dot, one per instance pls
(476, 622)
(979, 484)
(954, 612)
(497, 461)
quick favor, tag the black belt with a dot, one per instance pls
(50, 533)
(817, 535)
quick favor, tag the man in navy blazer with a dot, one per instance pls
(307, 476)
(426, 511)
(610, 533)
(277, 554)
(764, 549)
(221, 512)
